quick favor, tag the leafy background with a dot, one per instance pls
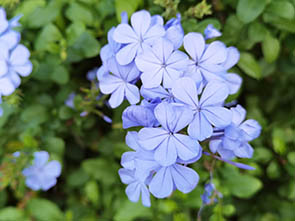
(65, 37)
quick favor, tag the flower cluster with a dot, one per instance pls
(42, 174)
(14, 57)
(183, 94)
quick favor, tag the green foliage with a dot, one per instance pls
(65, 38)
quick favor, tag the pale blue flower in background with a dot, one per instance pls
(137, 37)
(211, 32)
(42, 174)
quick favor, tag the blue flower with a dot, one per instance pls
(207, 61)
(140, 115)
(211, 32)
(206, 196)
(70, 100)
(208, 112)
(166, 141)
(120, 83)
(12, 64)
(141, 35)
(176, 176)
(109, 51)
(135, 188)
(161, 63)
(42, 174)
(8, 36)
(155, 93)
(234, 140)
(174, 31)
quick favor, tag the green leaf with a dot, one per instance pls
(101, 169)
(42, 16)
(249, 65)
(60, 75)
(129, 6)
(74, 31)
(12, 214)
(48, 37)
(79, 13)
(249, 10)
(86, 46)
(257, 32)
(270, 48)
(34, 114)
(77, 178)
(128, 211)
(240, 185)
(43, 210)
(282, 9)
(55, 145)
(92, 192)
(279, 22)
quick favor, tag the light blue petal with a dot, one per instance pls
(233, 82)
(10, 38)
(153, 33)
(214, 145)
(200, 128)
(153, 93)
(19, 56)
(6, 86)
(214, 93)
(135, 115)
(140, 22)
(131, 140)
(244, 151)
(109, 83)
(33, 183)
(233, 56)
(41, 158)
(47, 183)
(187, 148)
(127, 160)
(161, 185)
(24, 70)
(215, 53)
(133, 191)
(194, 45)
(132, 94)
(152, 79)
(185, 90)
(145, 196)
(126, 54)
(53, 169)
(151, 138)
(175, 35)
(166, 153)
(211, 32)
(185, 179)
(3, 21)
(251, 128)
(117, 97)
(127, 176)
(124, 34)
(218, 116)
(239, 114)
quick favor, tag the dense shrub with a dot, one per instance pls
(64, 39)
